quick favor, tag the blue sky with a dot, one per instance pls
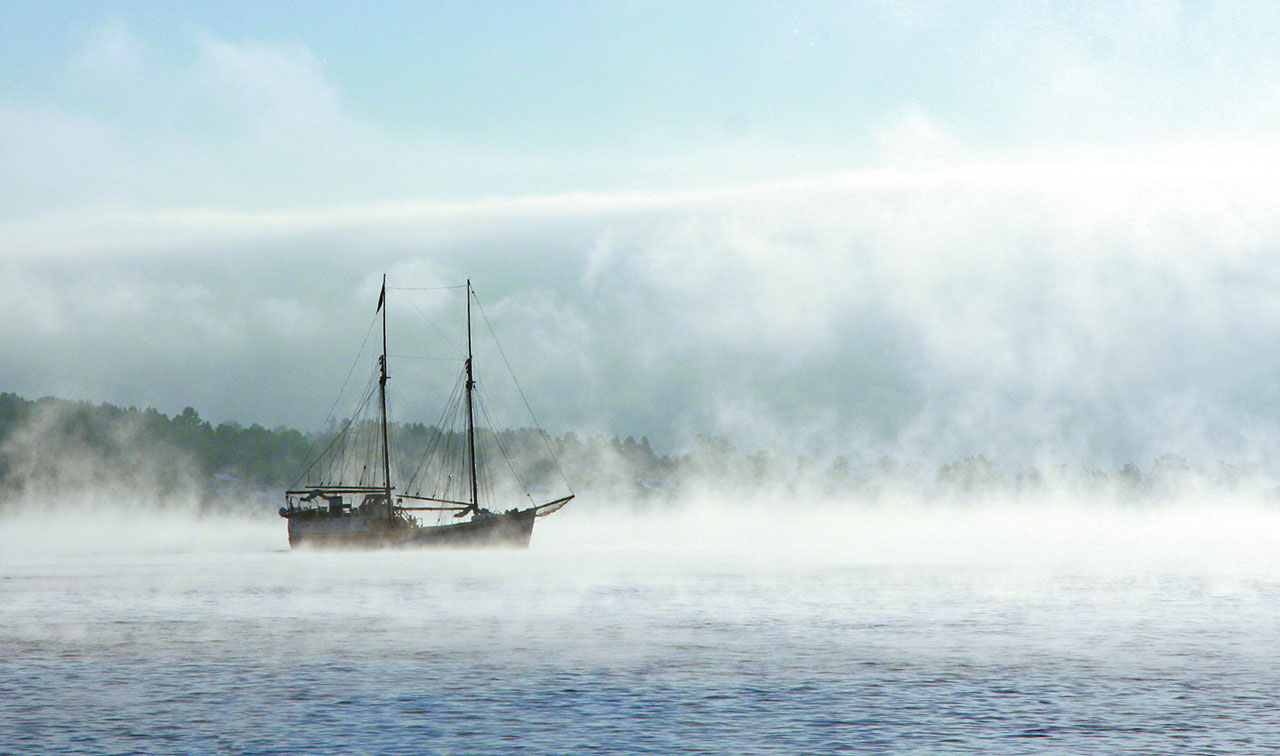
(1031, 229)
(536, 75)
(289, 105)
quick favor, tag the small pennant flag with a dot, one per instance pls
(382, 296)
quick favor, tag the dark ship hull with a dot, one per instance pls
(326, 529)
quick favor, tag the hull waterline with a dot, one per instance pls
(510, 529)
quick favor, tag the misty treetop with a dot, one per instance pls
(51, 447)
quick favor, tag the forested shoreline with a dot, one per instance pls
(51, 448)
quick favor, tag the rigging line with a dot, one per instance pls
(545, 437)
(432, 359)
(435, 452)
(441, 426)
(432, 323)
(347, 464)
(339, 439)
(326, 475)
(352, 437)
(485, 471)
(334, 408)
(397, 452)
(425, 288)
(502, 448)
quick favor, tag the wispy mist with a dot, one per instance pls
(143, 483)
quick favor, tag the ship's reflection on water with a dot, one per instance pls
(995, 629)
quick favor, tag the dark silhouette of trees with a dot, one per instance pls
(56, 442)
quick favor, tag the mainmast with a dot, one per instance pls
(471, 420)
(382, 395)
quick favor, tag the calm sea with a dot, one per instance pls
(992, 631)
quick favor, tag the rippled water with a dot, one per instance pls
(860, 633)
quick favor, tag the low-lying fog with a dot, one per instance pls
(1209, 533)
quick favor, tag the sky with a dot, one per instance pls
(1034, 231)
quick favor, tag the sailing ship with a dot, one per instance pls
(347, 497)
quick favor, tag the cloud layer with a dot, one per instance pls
(1102, 310)
(1051, 237)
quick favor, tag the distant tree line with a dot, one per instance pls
(52, 446)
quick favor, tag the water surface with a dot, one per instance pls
(865, 632)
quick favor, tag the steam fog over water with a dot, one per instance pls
(805, 627)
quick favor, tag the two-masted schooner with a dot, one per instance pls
(346, 496)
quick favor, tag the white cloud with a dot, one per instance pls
(281, 91)
(1125, 73)
(51, 159)
(912, 139)
(113, 53)
(1108, 307)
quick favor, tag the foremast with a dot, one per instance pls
(382, 397)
